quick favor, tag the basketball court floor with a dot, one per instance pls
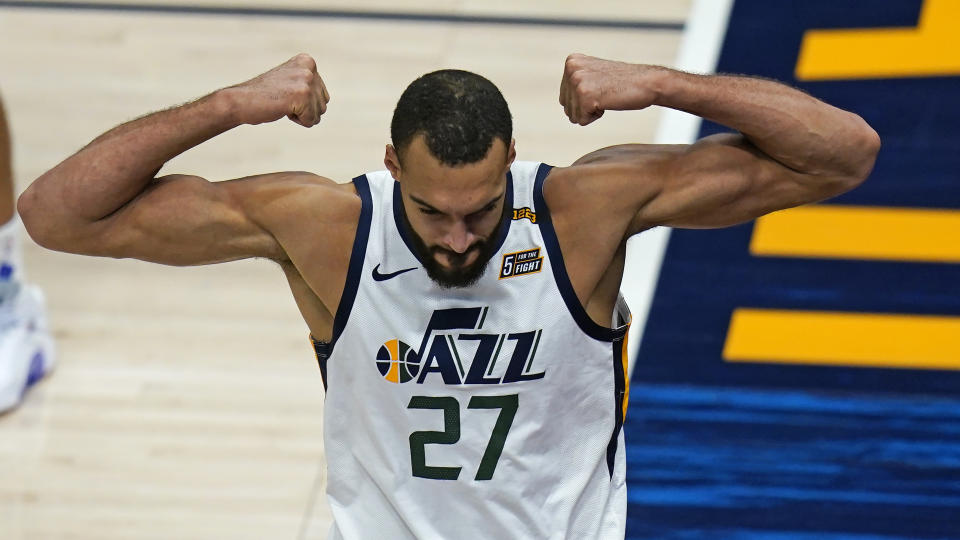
(187, 402)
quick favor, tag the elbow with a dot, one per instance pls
(50, 224)
(868, 149)
(29, 212)
(38, 221)
(865, 146)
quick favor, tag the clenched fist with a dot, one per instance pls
(591, 86)
(293, 89)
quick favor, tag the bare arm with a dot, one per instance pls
(790, 148)
(6, 169)
(105, 199)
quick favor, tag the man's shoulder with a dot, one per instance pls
(606, 176)
(296, 196)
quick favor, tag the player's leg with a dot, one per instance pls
(26, 347)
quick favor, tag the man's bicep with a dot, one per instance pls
(725, 180)
(185, 220)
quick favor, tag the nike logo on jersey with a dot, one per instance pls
(377, 276)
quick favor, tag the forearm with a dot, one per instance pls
(797, 130)
(118, 165)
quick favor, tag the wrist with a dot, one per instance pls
(227, 106)
(666, 84)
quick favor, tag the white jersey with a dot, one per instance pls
(492, 411)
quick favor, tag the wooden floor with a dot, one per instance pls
(187, 403)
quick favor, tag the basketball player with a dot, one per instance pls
(464, 306)
(26, 347)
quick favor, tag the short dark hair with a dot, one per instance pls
(458, 112)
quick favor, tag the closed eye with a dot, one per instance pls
(484, 210)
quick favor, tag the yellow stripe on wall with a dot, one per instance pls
(930, 49)
(859, 232)
(843, 339)
(624, 362)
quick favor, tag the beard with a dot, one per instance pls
(458, 275)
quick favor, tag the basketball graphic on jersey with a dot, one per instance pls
(397, 361)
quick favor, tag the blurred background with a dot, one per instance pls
(796, 377)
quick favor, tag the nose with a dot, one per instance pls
(459, 238)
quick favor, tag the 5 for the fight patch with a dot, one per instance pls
(520, 263)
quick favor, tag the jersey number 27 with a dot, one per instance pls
(451, 434)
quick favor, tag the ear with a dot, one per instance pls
(512, 152)
(392, 161)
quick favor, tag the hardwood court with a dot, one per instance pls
(187, 403)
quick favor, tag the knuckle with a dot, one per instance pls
(574, 60)
(304, 79)
(307, 61)
(301, 90)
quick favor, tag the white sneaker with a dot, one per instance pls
(26, 346)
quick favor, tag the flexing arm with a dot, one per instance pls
(105, 199)
(791, 148)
